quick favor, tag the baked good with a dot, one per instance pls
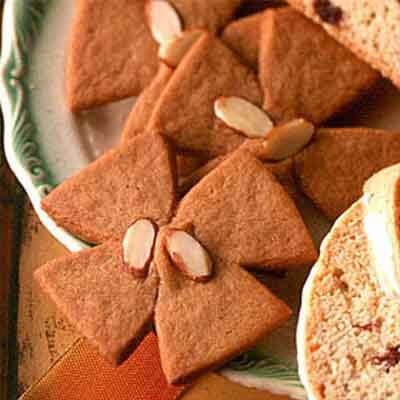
(333, 168)
(107, 305)
(202, 326)
(304, 72)
(348, 337)
(113, 308)
(141, 112)
(185, 110)
(131, 181)
(143, 108)
(368, 28)
(243, 36)
(382, 226)
(112, 54)
(212, 15)
(239, 212)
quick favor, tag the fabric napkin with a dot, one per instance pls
(83, 375)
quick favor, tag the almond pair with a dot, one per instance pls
(281, 141)
(187, 254)
(167, 30)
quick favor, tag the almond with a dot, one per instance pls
(173, 51)
(243, 116)
(189, 256)
(138, 246)
(163, 20)
(288, 139)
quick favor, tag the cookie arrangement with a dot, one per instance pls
(204, 185)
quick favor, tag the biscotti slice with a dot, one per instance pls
(143, 108)
(368, 27)
(241, 213)
(333, 168)
(107, 305)
(200, 326)
(382, 225)
(211, 15)
(243, 36)
(348, 337)
(304, 72)
(185, 110)
(132, 181)
(112, 54)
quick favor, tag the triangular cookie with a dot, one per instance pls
(185, 111)
(112, 53)
(127, 183)
(143, 108)
(332, 170)
(241, 213)
(243, 36)
(141, 112)
(201, 326)
(304, 72)
(211, 15)
(107, 305)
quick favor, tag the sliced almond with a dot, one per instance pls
(138, 246)
(288, 139)
(243, 116)
(189, 255)
(173, 51)
(163, 20)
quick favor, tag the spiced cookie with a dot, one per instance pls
(333, 168)
(112, 54)
(304, 72)
(185, 110)
(131, 181)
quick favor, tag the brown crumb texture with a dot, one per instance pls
(112, 54)
(107, 305)
(243, 36)
(187, 163)
(369, 28)
(185, 111)
(200, 326)
(241, 213)
(332, 170)
(211, 15)
(304, 72)
(143, 108)
(132, 181)
(352, 331)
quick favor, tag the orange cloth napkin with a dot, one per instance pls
(83, 375)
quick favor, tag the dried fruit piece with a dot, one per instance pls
(243, 116)
(288, 139)
(138, 246)
(189, 255)
(163, 20)
(173, 51)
